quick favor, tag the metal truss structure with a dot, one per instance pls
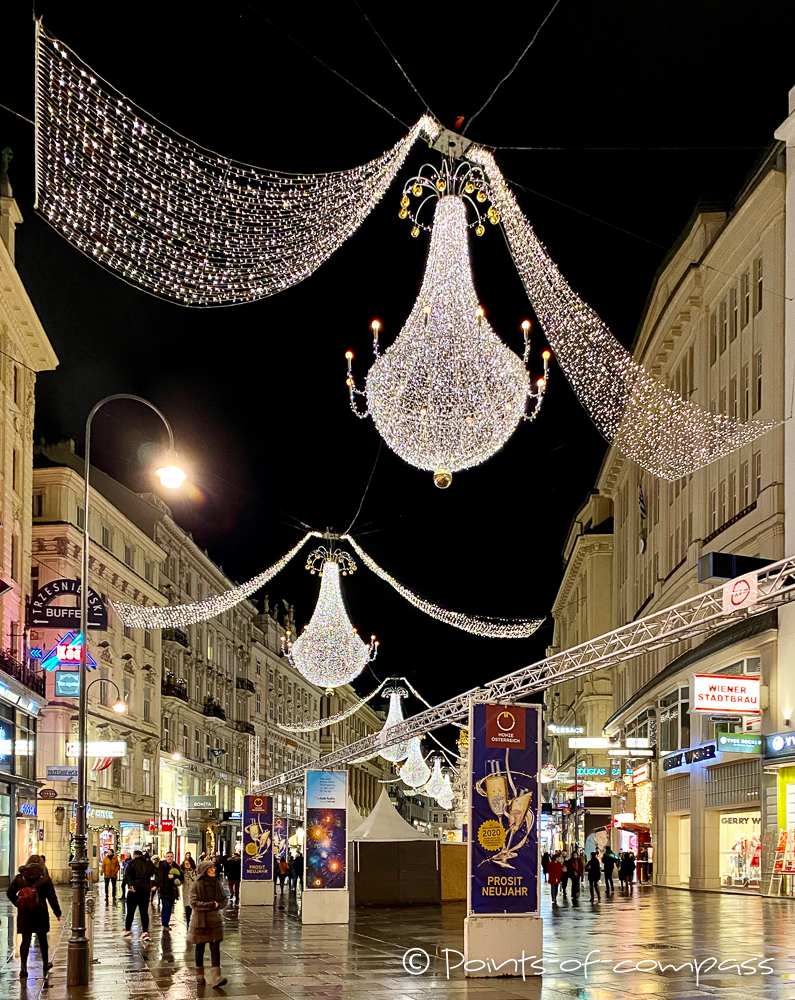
(687, 620)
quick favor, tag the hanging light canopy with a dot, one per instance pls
(448, 393)
(435, 784)
(414, 772)
(398, 751)
(329, 652)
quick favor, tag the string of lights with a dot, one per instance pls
(175, 615)
(414, 772)
(173, 218)
(398, 751)
(494, 628)
(650, 423)
(308, 727)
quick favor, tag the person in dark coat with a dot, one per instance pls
(232, 870)
(554, 874)
(626, 871)
(297, 874)
(594, 872)
(207, 899)
(169, 879)
(138, 879)
(545, 859)
(609, 861)
(33, 917)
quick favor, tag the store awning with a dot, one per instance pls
(635, 827)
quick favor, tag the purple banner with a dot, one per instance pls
(280, 838)
(257, 838)
(326, 840)
(504, 805)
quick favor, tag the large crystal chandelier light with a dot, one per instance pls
(329, 652)
(414, 772)
(398, 751)
(448, 393)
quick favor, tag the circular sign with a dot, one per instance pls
(549, 771)
(48, 793)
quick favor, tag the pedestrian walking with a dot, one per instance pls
(283, 871)
(188, 869)
(30, 892)
(207, 899)
(110, 872)
(153, 888)
(139, 882)
(564, 883)
(626, 872)
(232, 871)
(609, 861)
(554, 875)
(594, 871)
(169, 879)
(124, 861)
(545, 859)
(576, 872)
(297, 874)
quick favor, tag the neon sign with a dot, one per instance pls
(68, 650)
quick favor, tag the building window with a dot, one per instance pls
(259, 668)
(724, 325)
(209, 644)
(734, 317)
(270, 711)
(105, 536)
(259, 706)
(15, 471)
(746, 298)
(745, 405)
(733, 398)
(745, 485)
(15, 557)
(732, 493)
(128, 554)
(147, 776)
(126, 775)
(104, 687)
(713, 338)
(166, 732)
(713, 511)
(185, 740)
(128, 632)
(148, 574)
(757, 381)
(81, 517)
(38, 505)
(127, 692)
(147, 704)
(17, 385)
(197, 744)
(208, 755)
(722, 501)
(758, 285)
(147, 639)
(757, 473)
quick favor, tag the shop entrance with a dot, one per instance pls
(678, 849)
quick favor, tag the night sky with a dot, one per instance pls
(256, 393)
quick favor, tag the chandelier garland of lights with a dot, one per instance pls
(638, 414)
(178, 220)
(329, 652)
(448, 393)
(200, 229)
(329, 720)
(176, 615)
(414, 771)
(398, 751)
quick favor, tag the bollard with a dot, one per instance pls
(90, 905)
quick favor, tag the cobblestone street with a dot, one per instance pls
(268, 954)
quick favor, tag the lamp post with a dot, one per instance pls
(78, 962)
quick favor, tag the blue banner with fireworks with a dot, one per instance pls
(504, 806)
(326, 835)
(280, 838)
(257, 838)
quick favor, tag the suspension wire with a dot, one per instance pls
(394, 59)
(367, 487)
(324, 64)
(513, 68)
(624, 149)
(11, 110)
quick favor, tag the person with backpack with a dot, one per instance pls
(110, 872)
(232, 870)
(207, 899)
(138, 879)
(30, 892)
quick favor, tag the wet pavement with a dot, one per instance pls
(268, 954)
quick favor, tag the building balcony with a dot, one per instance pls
(177, 636)
(168, 689)
(244, 684)
(10, 665)
(244, 727)
(213, 710)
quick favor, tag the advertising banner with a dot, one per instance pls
(503, 812)
(280, 838)
(257, 838)
(325, 826)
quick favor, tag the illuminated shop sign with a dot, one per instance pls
(591, 770)
(726, 694)
(740, 742)
(686, 757)
(780, 745)
(566, 730)
(99, 748)
(67, 684)
(67, 651)
(42, 613)
(642, 773)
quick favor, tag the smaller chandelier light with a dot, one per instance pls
(414, 772)
(446, 796)
(435, 784)
(398, 751)
(329, 652)
(448, 393)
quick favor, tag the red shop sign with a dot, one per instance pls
(166, 825)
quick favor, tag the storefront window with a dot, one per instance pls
(740, 849)
(673, 731)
